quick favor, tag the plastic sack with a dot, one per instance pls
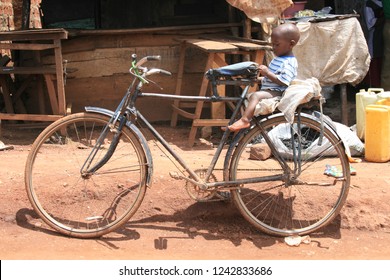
(281, 137)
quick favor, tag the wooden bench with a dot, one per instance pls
(49, 74)
(53, 77)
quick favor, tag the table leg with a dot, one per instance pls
(54, 103)
(60, 78)
(199, 104)
(179, 81)
(344, 104)
(6, 95)
(218, 110)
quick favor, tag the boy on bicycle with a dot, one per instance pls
(278, 76)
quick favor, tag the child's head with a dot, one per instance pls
(284, 37)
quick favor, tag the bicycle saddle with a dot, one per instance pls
(246, 69)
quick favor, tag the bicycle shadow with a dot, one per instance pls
(28, 219)
(216, 221)
(213, 221)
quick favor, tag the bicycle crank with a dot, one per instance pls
(199, 194)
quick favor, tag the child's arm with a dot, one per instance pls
(265, 72)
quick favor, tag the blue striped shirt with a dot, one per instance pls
(285, 68)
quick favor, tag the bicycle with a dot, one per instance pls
(107, 164)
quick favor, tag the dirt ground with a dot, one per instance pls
(170, 225)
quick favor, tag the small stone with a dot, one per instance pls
(260, 152)
(193, 229)
(9, 218)
(37, 224)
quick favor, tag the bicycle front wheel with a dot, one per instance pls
(302, 196)
(72, 202)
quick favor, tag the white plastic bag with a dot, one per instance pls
(281, 137)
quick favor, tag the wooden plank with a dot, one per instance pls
(31, 47)
(182, 112)
(210, 122)
(107, 92)
(29, 117)
(27, 70)
(174, 29)
(248, 46)
(242, 43)
(34, 34)
(22, 88)
(111, 61)
(78, 44)
(212, 46)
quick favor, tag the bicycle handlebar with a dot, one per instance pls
(144, 59)
(144, 70)
(153, 57)
(165, 72)
(157, 71)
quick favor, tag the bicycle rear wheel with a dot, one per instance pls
(294, 204)
(75, 204)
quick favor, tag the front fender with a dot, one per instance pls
(137, 132)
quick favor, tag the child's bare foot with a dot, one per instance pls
(238, 125)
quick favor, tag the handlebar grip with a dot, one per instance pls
(165, 72)
(153, 57)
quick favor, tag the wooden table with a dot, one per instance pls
(35, 40)
(216, 49)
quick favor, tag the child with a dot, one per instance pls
(282, 70)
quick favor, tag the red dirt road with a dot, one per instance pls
(170, 225)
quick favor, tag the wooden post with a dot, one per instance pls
(247, 34)
(26, 7)
(344, 104)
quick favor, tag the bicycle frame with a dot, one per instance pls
(194, 178)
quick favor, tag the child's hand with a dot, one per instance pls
(263, 70)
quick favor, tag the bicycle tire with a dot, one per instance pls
(304, 206)
(85, 206)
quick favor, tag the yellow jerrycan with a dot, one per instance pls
(377, 133)
(363, 99)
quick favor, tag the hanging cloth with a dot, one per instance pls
(261, 10)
